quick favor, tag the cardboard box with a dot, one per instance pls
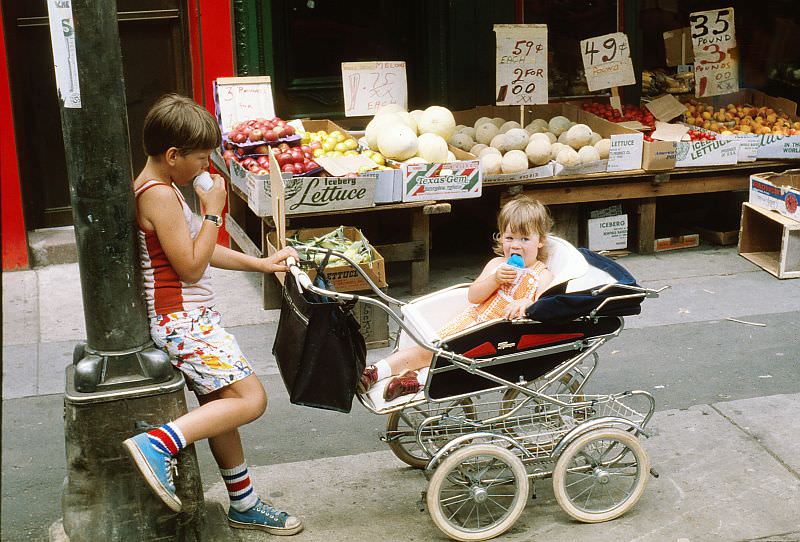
(374, 323)
(607, 233)
(445, 181)
(777, 191)
(771, 241)
(717, 237)
(659, 155)
(769, 146)
(719, 152)
(311, 194)
(343, 277)
(388, 185)
(687, 240)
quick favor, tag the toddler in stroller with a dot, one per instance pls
(507, 286)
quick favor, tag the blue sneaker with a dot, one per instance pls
(265, 518)
(156, 467)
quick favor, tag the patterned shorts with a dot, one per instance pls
(199, 346)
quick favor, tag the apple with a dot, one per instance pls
(261, 149)
(263, 161)
(238, 137)
(256, 135)
(297, 154)
(311, 166)
(306, 148)
(287, 168)
(284, 158)
(270, 135)
(299, 168)
(288, 130)
(279, 131)
(315, 145)
(283, 147)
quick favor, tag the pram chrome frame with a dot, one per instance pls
(542, 454)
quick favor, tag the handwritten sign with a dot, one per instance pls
(715, 56)
(521, 72)
(243, 98)
(607, 61)
(65, 59)
(368, 86)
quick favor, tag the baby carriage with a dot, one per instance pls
(504, 402)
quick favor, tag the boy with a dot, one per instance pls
(177, 250)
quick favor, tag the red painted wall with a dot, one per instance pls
(211, 42)
(14, 240)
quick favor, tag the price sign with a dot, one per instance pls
(715, 56)
(242, 98)
(521, 64)
(368, 86)
(65, 61)
(607, 61)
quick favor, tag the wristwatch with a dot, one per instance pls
(216, 219)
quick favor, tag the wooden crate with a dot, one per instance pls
(374, 323)
(771, 241)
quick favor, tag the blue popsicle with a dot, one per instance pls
(515, 260)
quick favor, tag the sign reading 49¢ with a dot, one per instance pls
(521, 64)
(607, 61)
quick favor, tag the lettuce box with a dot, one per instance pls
(343, 277)
(777, 191)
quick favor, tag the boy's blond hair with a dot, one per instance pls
(178, 121)
(526, 216)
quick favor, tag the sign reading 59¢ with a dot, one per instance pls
(521, 71)
(607, 61)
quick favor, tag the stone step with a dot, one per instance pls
(51, 246)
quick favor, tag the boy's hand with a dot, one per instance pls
(505, 274)
(277, 262)
(214, 200)
(517, 308)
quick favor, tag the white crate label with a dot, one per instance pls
(65, 60)
(748, 146)
(779, 146)
(368, 86)
(719, 152)
(521, 64)
(607, 61)
(442, 181)
(608, 233)
(625, 152)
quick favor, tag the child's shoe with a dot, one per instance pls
(368, 378)
(156, 467)
(265, 517)
(402, 385)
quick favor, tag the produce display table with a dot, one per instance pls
(249, 232)
(640, 187)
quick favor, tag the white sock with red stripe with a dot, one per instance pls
(167, 439)
(240, 489)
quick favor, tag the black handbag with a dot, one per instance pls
(319, 347)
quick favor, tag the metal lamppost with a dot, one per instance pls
(119, 384)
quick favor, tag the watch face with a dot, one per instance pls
(215, 219)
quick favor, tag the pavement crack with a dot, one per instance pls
(761, 444)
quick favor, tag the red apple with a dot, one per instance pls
(270, 135)
(256, 135)
(279, 131)
(283, 147)
(287, 168)
(261, 149)
(299, 168)
(284, 158)
(311, 166)
(288, 130)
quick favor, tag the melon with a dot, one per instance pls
(538, 152)
(603, 146)
(461, 141)
(478, 147)
(538, 125)
(397, 141)
(595, 138)
(555, 148)
(501, 143)
(514, 162)
(451, 157)
(578, 136)
(588, 155)
(469, 130)
(489, 150)
(509, 125)
(485, 132)
(415, 160)
(497, 121)
(541, 136)
(480, 121)
(432, 147)
(558, 125)
(390, 108)
(491, 164)
(517, 139)
(568, 156)
(376, 125)
(407, 119)
(437, 120)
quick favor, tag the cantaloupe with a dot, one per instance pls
(397, 141)
(461, 141)
(485, 132)
(558, 125)
(517, 139)
(509, 125)
(537, 126)
(491, 164)
(595, 138)
(437, 120)
(555, 148)
(588, 155)
(501, 143)
(432, 147)
(603, 147)
(568, 156)
(514, 162)
(578, 136)
(489, 150)
(538, 152)
(478, 147)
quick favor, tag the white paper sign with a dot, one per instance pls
(608, 233)
(719, 152)
(625, 152)
(607, 61)
(777, 146)
(521, 64)
(715, 60)
(368, 86)
(65, 60)
(243, 98)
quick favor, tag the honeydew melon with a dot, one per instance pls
(603, 147)
(588, 155)
(477, 148)
(461, 141)
(491, 164)
(509, 126)
(485, 132)
(489, 150)
(437, 120)
(432, 147)
(568, 156)
(514, 162)
(538, 152)
(397, 141)
(578, 136)
(500, 142)
(480, 121)
(376, 125)
(517, 139)
(556, 148)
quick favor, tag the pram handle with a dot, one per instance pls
(639, 293)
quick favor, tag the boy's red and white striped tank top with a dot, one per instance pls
(165, 291)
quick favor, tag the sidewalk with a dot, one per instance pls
(729, 470)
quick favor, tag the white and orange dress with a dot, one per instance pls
(524, 286)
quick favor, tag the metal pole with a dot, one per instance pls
(119, 384)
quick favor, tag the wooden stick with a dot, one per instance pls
(616, 102)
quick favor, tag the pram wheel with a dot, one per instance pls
(401, 430)
(601, 475)
(478, 492)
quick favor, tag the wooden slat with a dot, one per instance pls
(646, 222)
(413, 251)
(420, 232)
(240, 237)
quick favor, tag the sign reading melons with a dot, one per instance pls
(368, 86)
(607, 61)
(521, 71)
(716, 69)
